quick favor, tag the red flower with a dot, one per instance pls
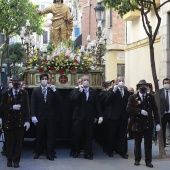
(40, 69)
(72, 68)
(62, 71)
(56, 56)
(51, 68)
(76, 61)
(67, 56)
(85, 68)
(45, 60)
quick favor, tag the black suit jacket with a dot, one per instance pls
(162, 101)
(134, 107)
(117, 105)
(85, 109)
(41, 109)
(15, 118)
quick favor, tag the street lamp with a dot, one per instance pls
(99, 11)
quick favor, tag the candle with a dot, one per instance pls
(82, 48)
(88, 38)
(27, 23)
(38, 46)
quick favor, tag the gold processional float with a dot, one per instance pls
(63, 64)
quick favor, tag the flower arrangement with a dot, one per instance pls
(61, 63)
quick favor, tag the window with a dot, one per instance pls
(76, 32)
(42, 7)
(120, 70)
(45, 35)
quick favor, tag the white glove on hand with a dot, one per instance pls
(158, 127)
(34, 120)
(143, 112)
(16, 107)
(115, 88)
(100, 120)
(95, 120)
(80, 88)
(0, 121)
(53, 88)
(27, 125)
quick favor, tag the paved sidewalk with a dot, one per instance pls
(100, 162)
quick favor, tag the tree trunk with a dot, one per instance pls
(5, 50)
(162, 153)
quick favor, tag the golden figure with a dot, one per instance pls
(62, 21)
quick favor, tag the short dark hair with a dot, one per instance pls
(112, 81)
(44, 75)
(166, 79)
(55, 1)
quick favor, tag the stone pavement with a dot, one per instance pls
(100, 162)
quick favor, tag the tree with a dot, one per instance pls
(14, 14)
(145, 7)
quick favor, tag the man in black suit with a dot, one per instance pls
(141, 107)
(86, 109)
(43, 112)
(165, 106)
(117, 118)
(16, 116)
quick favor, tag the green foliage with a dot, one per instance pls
(14, 14)
(122, 6)
(16, 53)
(50, 48)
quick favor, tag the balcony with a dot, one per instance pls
(130, 16)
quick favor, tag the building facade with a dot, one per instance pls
(137, 53)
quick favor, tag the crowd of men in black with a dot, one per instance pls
(116, 109)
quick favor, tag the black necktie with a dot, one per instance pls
(167, 101)
(121, 92)
(44, 93)
(143, 100)
(16, 93)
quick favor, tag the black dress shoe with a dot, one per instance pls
(16, 165)
(125, 156)
(137, 163)
(149, 165)
(90, 157)
(9, 164)
(75, 155)
(49, 157)
(110, 154)
(36, 156)
(53, 156)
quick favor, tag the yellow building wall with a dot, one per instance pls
(138, 65)
(112, 59)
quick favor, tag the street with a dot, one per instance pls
(100, 162)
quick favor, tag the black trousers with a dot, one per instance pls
(45, 132)
(117, 137)
(14, 138)
(147, 134)
(165, 119)
(79, 127)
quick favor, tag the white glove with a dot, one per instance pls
(143, 112)
(27, 125)
(80, 88)
(0, 121)
(53, 88)
(100, 120)
(158, 127)
(34, 120)
(16, 107)
(95, 120)
(115, 88)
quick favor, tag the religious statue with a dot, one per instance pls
(62, 21)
